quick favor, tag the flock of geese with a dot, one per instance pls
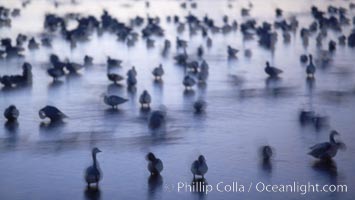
(334, 19)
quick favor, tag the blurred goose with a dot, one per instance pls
(327, 150)
(51, 112)
(11, 113)
(188, 82)
(209, 42)
(311, 69)
(232, 52)
(132, 72)
(88, 60)
(131, 79)
(113, 100)
(73, 67)
(266, 152)
(32, 44)
(145, 99)
(304, 58)
(55, 73)
(332, 46)
(155, 165)
(200, 51)
(247, 53)
(158, 72)
(157, 119)
(199, 167)
(93, 173)
(200, 105)
(272, 71)
(113, 62)
(114, 77)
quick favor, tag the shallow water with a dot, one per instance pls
(244, 111)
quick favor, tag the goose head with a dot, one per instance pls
(201, 159)
(333, 133)
(151, 157)
(96, 150)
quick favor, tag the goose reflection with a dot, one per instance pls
(272, 81)
(92, 193)
(326, 167)
(11, 126)
(266, 153)
(199, 187)
(155, 185)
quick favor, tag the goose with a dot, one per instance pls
(327, 150)
(73, 67)
(131, 79)
(181, 43)
(209, 42)
(93, 173)
(304, 58)
(132, 72)
(51, 112)
(247, 53)
(157, 119)
(188, 82)
(332, 46)
(113, 62)
(266, 152)
(27, 72)
(272, 71)
(200, 51)
(32, 44)
(88, 60)
(199, 167)
(155, 165)
(113, 100)
(158, 72)
(55, 73)
(167, 45)
(232, 52)
(311, 69)
(145, 99)
(200, 105)
(114, 77)
(11, 113)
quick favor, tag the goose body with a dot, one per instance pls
(232, 53)
(55, 73)
(51, 112)
(155, 165)
(145, 99)
(88, 60)
(113, 62)
(188, 82)
(272, 71)
(266, 152)
(156, 119)
(131, 79)
(311, 69)
(200, 106)
(73, 67)
(158, 72)
(113, 100)
(114, 77)
(11, 113)
(326, 150)
(199, 167)
(93, 173)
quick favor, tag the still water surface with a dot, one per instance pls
(46, 162)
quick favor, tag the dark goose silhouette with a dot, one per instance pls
(93, 173)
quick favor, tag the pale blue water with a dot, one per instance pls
(243, 113)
